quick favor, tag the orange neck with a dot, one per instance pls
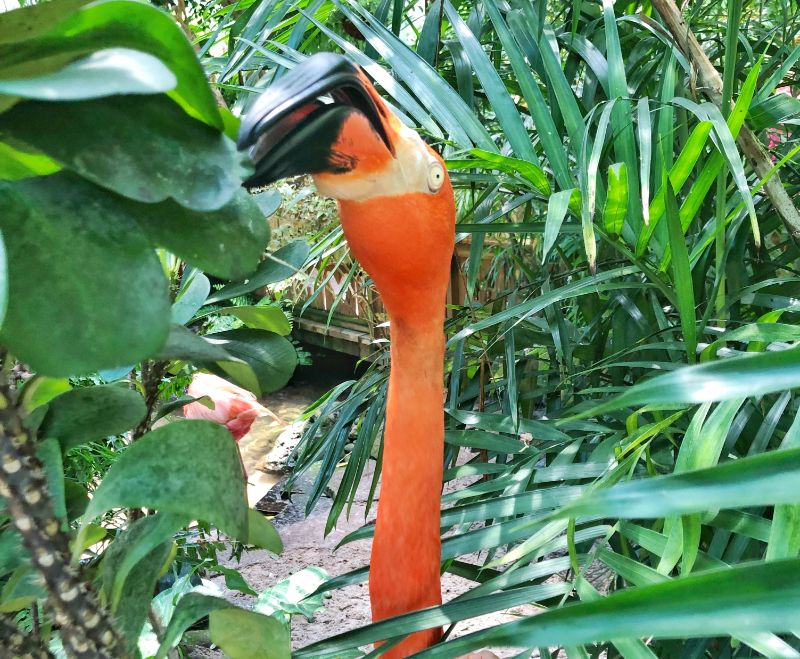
(405, 243)
(406, 552)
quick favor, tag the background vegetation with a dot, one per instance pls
(625, 368)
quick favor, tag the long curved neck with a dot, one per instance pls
(406, 553)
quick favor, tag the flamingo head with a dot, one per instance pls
(324, 118)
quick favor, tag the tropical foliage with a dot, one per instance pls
(122, 200)
(600, 378)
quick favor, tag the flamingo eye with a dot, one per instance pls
(435, 177)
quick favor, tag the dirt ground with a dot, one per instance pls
(305, 543)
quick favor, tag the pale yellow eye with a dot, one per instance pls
(435, 177)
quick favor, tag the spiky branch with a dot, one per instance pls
(87, 630)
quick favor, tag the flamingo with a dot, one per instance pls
(234, 407)
(398, 214)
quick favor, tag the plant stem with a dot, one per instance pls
(15, 645)
(86, 628)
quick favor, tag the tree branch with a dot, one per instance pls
(86, 628)
(711, 86)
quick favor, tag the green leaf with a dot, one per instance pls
(227, 242)
(116, 24)
(272, 358)
(293, 595)
(264, 318)
(529, 170)
(432, 617)
(49, 453)
(644, 131)
(557, 207)
(616, 200)
(433, 91)
(268, 201)
(40, 390)
(261, 533)
(764, 479)
(234, 580)
(681, 270)
(132, 600)
(278, 266)
(246, 635)
(23, 587)
(190, 298)
(132, 546)
(104, 73)
(89, 414)
(753, 374)
(79, 271)
(188, 468)
(500, 99)
(76, 497)
(772, 111)
(621, 117)
(191, 608)
(185, 345)
(705, 604)
(540, 113)
(185, 160)
(12, 554)
(32, 21)
(15, 164)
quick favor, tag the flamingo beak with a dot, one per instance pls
(293, 128)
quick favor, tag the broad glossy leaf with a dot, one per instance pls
(191, 608)
(276, 267)
(268, 201)
(89, 414)
(261, 533)
(134, 595)
(29, 22)
(132, 546)
(104, 73)
(79, 270)
(247, 635)
(293, 596)
(49, 453)
(265, 318)
(186, 160)
(190, 298)
(189, 468)
(15, 164)
(616, 200)
(272, 357)
(40, 390)
(227, 242)
(117, 24)
(21, 589)
(753, 374)
(185, 345)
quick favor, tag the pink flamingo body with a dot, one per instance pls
(234, 407)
